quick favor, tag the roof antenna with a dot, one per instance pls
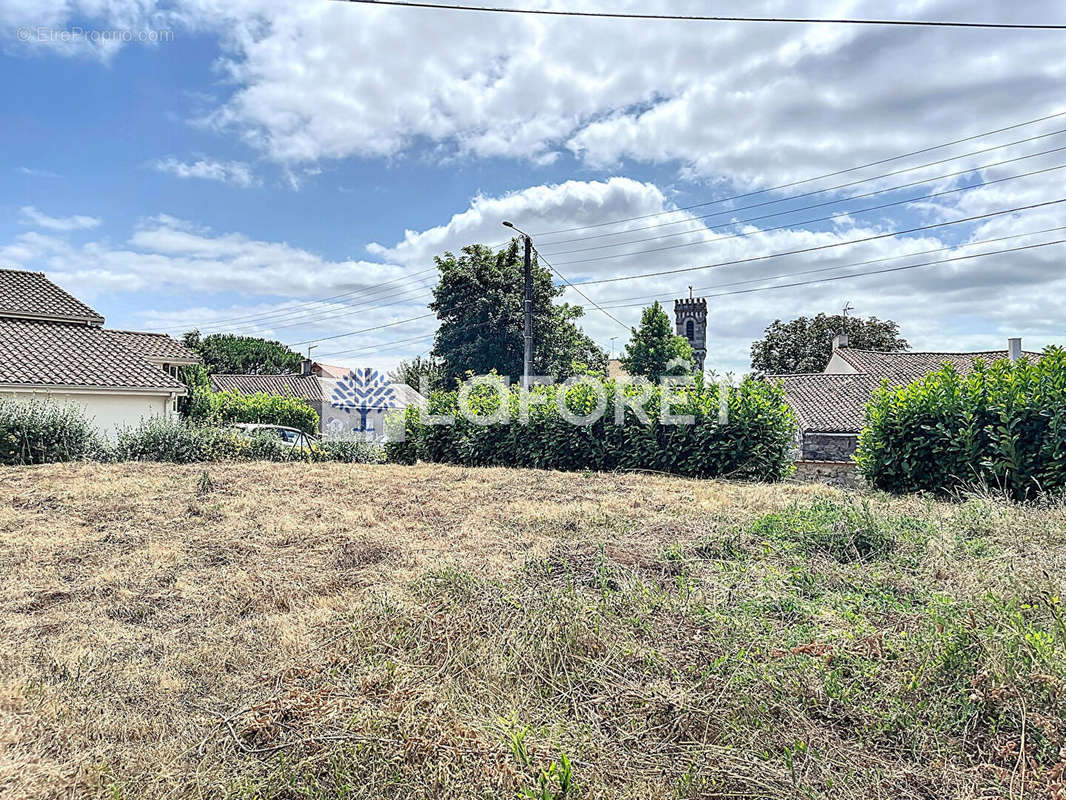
(847, 307)
(689, 292)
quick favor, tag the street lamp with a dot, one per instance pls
(527, 359)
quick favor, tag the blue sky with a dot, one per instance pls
(267, 156)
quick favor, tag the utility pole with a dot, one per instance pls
(527, 359)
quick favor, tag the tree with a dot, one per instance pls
(242, 355)
(655, 345)
(806, 344)
(416, 370)
(479, 301)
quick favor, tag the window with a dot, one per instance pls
(690, 330)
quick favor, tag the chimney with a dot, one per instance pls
(305, 366)
(1014, 348)
(840, 341)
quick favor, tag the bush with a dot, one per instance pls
(756, 442)
(227, 408)
(1001, 427)
(349, 451)
(36, 432)
(165, 439)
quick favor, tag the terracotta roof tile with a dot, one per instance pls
(70, 354)
(30, 295)
(836, 403)
(303, 386)
(903, 368)
(828, 403)
(156, 346)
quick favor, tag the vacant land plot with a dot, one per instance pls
(334, 631)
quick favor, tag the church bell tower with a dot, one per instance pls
(690, 315)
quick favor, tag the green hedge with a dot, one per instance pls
(756, 442)
(223, 408)
(37, 432)
(1003, 427)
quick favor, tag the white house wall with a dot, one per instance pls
(107, 412)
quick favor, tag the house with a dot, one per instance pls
(348, 402)
(53, 346)
(831, 405)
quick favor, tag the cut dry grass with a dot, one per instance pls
(336, 631)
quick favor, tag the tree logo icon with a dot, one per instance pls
(363, 390)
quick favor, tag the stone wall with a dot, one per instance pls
(828, 446)
(834, 473)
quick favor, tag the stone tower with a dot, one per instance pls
(691, 317)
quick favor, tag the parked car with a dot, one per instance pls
(294, 437)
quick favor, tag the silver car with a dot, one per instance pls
(294, 437)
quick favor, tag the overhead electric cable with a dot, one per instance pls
(839, 186)
(925, 23)
(624, 302)
(791, 225)
(364, 330)
(792, 184)
(904, 232)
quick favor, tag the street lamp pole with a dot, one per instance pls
(527, 359)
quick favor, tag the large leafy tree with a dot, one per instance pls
(479, 301)
(226, 353)
(806, 344)
(416, 370)
(654, 349)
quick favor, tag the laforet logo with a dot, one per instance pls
(363, 390)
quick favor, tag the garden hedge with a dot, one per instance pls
(1002, 427)
(226, 408)
(756, 442)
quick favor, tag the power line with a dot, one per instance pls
(566, 280)
(364, 330)
(380, 346)
(290, 310)
(623, 302)
(839, 186)
(888, 269)
(822, 247)
(406, 296)
(792, 184)
(790, 225)
(705, 18)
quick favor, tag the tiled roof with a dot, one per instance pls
(156, 346)
(828, 403)
(304, 386)
(836, 402)
(329, 370)
(30, 295)
(70, 354)
(903, 368)
(309, 387)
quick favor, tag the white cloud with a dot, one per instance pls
(33, 172)
(31, 216)
(237, 173)
(231, 281)
(745, 103)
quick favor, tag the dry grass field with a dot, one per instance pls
(335, 631)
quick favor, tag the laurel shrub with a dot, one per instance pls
(1002, 427)
(755, 442)
(231, 407)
